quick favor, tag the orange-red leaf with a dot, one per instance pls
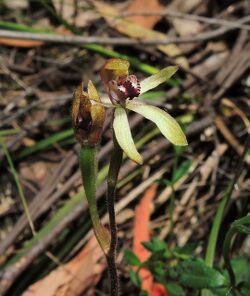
(20, 43)
(142, 233)
(74, 277)
(158, 290)
(138, 6)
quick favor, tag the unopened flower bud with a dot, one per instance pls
(88, 115)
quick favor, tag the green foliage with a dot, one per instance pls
(241, 269)
(184, 274)
(181, 171)
(195, 274)
(47, 143)
(175, 290)
(244, 288)
(135, 278)
(178, 172)
(155, 245)
(131, 258)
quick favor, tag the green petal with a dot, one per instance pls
(123, 135)
(158, 78)
(166, 123)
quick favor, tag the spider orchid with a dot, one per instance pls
(122, 90)
(88, 116)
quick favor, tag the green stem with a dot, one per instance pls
(88, 166)
(19, 188)
(114, 168)
(213, 237)
(136, 63)
(59, 17)
(237, 226)
(172, 198)
(226, 254)
(171, 211)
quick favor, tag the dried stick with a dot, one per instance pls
(188, 16)
(79, 40)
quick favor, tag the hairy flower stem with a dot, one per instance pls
(115, 164)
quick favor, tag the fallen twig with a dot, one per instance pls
(188, 16)
(78, 40)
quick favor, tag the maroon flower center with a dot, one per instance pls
(129, 86)
(124, 87)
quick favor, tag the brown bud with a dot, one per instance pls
(88, 115)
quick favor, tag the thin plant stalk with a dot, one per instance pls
(24, 202)
(219, 214)
(213, 237)
(114, 168)
(237, 226)
(172, 198)
(19, 188)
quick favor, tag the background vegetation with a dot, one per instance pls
(187, 206)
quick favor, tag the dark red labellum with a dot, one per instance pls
(129, 86)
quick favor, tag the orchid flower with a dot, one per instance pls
(122, 90)
(88, 115)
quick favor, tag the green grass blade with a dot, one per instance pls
(46, 143)
(9, 132)
(136, 63)
(19, 188)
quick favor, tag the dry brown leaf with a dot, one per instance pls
(187, 27)
(27, 141)
(20, 43)
(211, 162)
(75, 15)
(183, 26)
(72, 278)
(36, 171)
(184, 6)
(236, 110)
(138, 6)
(127, 27)
(231, 139)
(6, 203)
(16, 4)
